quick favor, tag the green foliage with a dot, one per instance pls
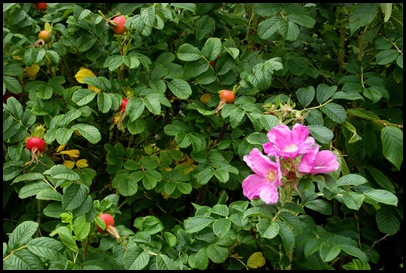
(169, 166)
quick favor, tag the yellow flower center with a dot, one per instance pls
(271, 176)
(290, 148)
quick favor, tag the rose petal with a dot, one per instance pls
(269, 194)
(252, 185)
(259, 163)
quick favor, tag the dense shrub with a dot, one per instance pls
(134, 127)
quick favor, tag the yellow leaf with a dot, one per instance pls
(84, 72)
(60, 148)
(95, 89)
(165, 196)
(82, 163)
(71, 153)
(31, 71)
(69, 164)
(256, 260)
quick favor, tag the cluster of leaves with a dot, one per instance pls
(170, 170)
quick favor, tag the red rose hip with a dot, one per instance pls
(36, 143)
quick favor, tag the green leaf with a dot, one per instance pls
(197, 223)
(387, 10)
(74, 195)
(212, 48)
(288, 30)
(399, 61)
(113, 62)
(66, 237)
(305, 95)
(382, 196)
(125, 185)
(149, 162)
(149, 224)
(62, 172)
(234, 52)
(151, 178)
(151, 101)
(385, 57)
(23, 260)
(335, 112)
(186, 6)
(392, 142)
(207, 77)
(47, 248)
(104, 102)
(12, 70)
(221, 227)
(324, 92)
(362, 15)
(34, 55)
(204, 25)
(83, 96)
(85, 42)
(269, 121)
(70, 116)
(362, 113)
(354, 251)
(268, 27)
(148, 16)
(81, 228)
(217, 254)
(347, 96)
(355, 137)
(163, 262)
(301, 19)
(257, 138)
(321, 134)
(132, 62)
(312, 246)
(22, 234)
(184, 188)
(196, 68)
(204, 176)
(32, 189)
(287, 235)
(134, 108)
(329, 252)
(63, 135)
(12, 84)
(353, 200)
(320, 205)
(49, 194)
(14, 107)
(356, 264)
(89, 132)
(351, 179)
(186, 52)
(381, 179)
(388, 220)
(297, 64)
(180, 88)
(220, 209)
(28, 177)
(267, 229)
(135, 258)
(373, 94)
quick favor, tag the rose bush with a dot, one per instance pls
(301, 169)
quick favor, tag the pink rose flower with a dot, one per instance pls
(316, 161)
(288, 143)
(266, 180)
